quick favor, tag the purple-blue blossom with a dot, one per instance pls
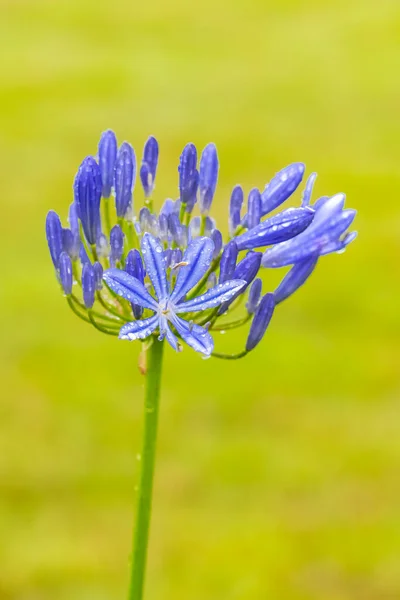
(168, 304)
(326, 234)
(171, 274)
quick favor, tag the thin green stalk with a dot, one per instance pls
(147, 461)
(110, 322)
(106, 204)
(232, 324)
(100, 327)
(230, 356)
(110, 309)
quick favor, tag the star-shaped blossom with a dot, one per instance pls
(168, 304)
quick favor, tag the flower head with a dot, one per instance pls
(151, 275)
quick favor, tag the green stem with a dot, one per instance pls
(143, 512)
(230, 356)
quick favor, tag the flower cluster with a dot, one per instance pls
(170, 274)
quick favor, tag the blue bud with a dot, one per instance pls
(107, 158)
(124, 178)
(281, 186)
(260, 321)
(228, 262)
(54, 234)
(308, 189)
(163, 226)
(102, 246)
(176, 257)
(192, 193)
(283, 226)
(211, 281)
(73, 220)
(83, 257)
(235, 208)
(116, 243)
(295, 278)
(208, 176)
(187, 173)
(253, 208)
(87, 191)
(71, 244)
(134, 266)
(65, 269)
(88, 285)
(144, 218)
(98, 275)
(176, 228)
(246, 269)
(167, 257)
(194, 227)
(216, 237)
(254, 296)
(169, 206)
(209, 226)
(145, 178)
(149, 165)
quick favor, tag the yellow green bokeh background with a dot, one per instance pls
(278, 475)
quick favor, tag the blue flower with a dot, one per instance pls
(326, 234)
(168, 304)
(188, 266)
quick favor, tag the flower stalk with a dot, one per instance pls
(146, 477)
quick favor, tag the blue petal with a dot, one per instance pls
(194, 335)
(153, 257)
(339, 245)
(129, 288)
(222, 292)
(138, 330)
(165, 331)
(198, 255)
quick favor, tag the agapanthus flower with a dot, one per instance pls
(146, 275)
(169, 303)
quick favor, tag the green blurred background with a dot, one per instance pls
(278, 476)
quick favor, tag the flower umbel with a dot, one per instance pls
(140, 271)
